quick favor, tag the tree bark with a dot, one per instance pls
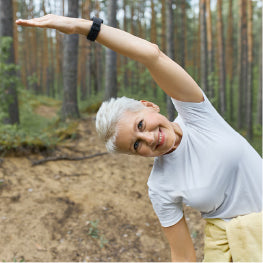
(163, 35)
(203, 45)
(259, 102)
(210, 71)
(153, 23)
(229, 60)
(98, 58)
(70, 65)
(242, 63)
(111, 56)
(153, 40)
(221, 58)
(15, 31)
(170, 51)
(84, 56)
(249, 96)
(182, 41)
(126, 72)
(6, 30)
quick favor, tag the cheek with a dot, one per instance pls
(145, 151)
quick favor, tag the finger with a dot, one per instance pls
(30, 22)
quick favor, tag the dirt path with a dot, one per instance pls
(90, 210)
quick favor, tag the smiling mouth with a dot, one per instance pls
(160, 139)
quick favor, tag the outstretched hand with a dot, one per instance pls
(67, 25)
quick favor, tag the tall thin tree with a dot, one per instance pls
(259, 102)
(70, 65)
(182, 38)
(153, 39)
(170, 50)
(242, 63)
(111, 56)
(203, 45)
(221, 59)
(6, 30)
(210, 62)
(249, 96)
(229, 59)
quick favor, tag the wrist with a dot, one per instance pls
(83, 27)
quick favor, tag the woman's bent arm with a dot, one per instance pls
(168, 74)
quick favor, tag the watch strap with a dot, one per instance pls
(95, 28)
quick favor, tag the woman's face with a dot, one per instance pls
(146, 133)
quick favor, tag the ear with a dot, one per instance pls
(149, 104)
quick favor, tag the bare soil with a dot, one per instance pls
(90, 210)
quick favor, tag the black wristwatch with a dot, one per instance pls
(95, 28)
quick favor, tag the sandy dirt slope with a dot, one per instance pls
(90, 210)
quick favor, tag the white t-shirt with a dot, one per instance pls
(214, 169)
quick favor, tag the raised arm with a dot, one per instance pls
(168, 74)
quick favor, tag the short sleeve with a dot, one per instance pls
(197, 113)
(169, 213)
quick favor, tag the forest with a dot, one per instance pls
(63, 198)
(219, 43)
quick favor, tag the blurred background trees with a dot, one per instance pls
(8, 84)
(218, 42)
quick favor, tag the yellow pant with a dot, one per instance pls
(239, 239)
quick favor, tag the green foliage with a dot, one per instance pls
(95, 233)
(256, 142)
(91, 104)
(35, 132)
(93, 230)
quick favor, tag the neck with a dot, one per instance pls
(178, 136)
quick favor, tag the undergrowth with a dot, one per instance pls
(35, 133)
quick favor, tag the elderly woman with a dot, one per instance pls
(199, 159)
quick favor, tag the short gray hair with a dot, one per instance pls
(109, 114)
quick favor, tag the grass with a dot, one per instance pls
(35, 132)
(95, 233)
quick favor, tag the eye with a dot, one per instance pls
(136, 145)
(140, 125)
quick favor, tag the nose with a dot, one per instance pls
(147, 137)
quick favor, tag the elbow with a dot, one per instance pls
(152, 55)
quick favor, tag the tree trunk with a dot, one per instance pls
(182, 41)
(163, 36)
(153, 40)
(70, 65)
(170, 51)
(15, 31)
(111, 56)
(249, 97)
(84, 60)
(229, 60)
(59, 47)
(210, 71)
(153, 23)
(59, 57)
(98, 58)
(242, 63)
(6, 30)
(259, 102)
(203, 46)
(221, 58)
(126, 72)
